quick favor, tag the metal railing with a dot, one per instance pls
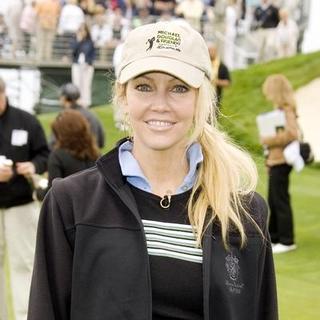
(25, 52)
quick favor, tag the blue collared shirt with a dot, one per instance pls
(131, 170)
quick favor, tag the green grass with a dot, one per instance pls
(298, 272)
(243, 101)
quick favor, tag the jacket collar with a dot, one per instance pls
(109, 167)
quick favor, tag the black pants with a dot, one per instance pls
(281, 218)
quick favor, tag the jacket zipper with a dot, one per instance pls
(207, 254)
(124, 194)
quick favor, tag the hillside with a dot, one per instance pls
(243, 101)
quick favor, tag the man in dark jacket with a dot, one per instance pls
(24, 152)
(69, 95)
(265, 20)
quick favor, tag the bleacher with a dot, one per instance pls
(56, 70)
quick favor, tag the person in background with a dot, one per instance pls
(101, 34)
(230, 33)
(120, 26)
(160, 7)
(71, 18)
(23, 144)
(88, 7)
(82, 69)
(47, 14)
(166, 225)
(13, 14)
(28, 25)
(102, 3)
(278, 90)
(75, 148)
(123, 5)
(4, 36)
(69, 99)
(265, 21)
(143, 17)
(287, 34)
(191, 11)
(220, 74)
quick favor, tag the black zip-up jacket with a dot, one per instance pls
(92, 263)
(18, 191)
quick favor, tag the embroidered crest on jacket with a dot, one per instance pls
(233, 282)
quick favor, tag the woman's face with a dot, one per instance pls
(161, 111)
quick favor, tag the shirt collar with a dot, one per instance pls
(130, 167)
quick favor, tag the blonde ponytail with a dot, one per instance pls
(225, 176)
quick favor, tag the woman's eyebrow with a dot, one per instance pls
(142, 76)
(173, 78)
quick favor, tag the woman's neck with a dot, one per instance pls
(165, 170)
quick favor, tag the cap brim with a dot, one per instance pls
(181, 70)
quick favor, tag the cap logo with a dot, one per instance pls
(165, 40)
(150, 43)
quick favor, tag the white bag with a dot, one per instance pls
(292, 155)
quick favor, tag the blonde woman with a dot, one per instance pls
(167, 226)
(278, 90)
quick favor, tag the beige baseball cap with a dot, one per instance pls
(171, 47)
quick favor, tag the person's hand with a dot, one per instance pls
(6, 173)
(26, 169)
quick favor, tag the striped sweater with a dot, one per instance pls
(175, 261)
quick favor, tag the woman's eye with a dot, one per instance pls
(143, 87)
(180, 88)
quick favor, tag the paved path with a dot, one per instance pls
(308, 103)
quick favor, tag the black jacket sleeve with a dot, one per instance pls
(267, 306)
(51, 281)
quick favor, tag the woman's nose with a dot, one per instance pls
(160, 102)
